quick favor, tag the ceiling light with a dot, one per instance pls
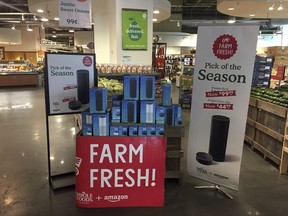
(156, 11)
(71, 30)
(231, 8)
(252, 15)
(271, 7)
(56, 18)
(154, 20)
(35, 18)
(54, 36)
(280, 7)
(43, 19)
(231, 21)
(29, 29)
(22, 17)
(178, 24)
(40, 10)
(13, 27)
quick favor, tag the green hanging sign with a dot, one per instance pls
(134, 29)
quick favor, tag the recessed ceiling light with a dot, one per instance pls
(231, 21)
(71, 30)
(54, 36)
(154, 20)
(156, 11)
(231, 8)
(40, 10)
(252, 15)
(280, 7)
(271, 7)
(56, 18)
(43, 19)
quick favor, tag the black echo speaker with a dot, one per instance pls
(218, 137)
(83, 86)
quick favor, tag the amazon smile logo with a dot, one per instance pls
(115, 198)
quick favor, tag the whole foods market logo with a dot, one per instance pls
(225, 46)
(84, 198)
(134, 32)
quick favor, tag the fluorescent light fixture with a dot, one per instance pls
(231, 8)
(40, 10)
(252, 15)
(43, 19)
(13, 27)
(178, 24)
(22, 17)
(56, 18)
(156, 11)
(71, 30)
(280, 7)
(154, 20)
(271, 7)
(29, 29)
(54, 36)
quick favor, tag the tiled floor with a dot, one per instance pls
(24, 188)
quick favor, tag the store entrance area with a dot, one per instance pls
(24, 185)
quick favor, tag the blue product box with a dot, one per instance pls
(166, 95)
(98, 100)
(147, 111)
(87, 130)
(86, 118)
(170, 116)
(151, 131)
(131, 87)
(142, 131)
(129, 111)
(159, 130)
(123, 131)
(147, 87)
(178, 115)
(114, 131)
(133, 131)
(116, 100)
(116, 114)
(101, 124)
(160, 115)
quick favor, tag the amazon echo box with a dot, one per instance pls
(129, 111)
(83, 86)
(147, 87)
(98, 100)
(131, 87)
(218, 137)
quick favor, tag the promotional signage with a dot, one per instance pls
(120, 171)
(68, 79)
(221, 91)
(134, 29)
(75, 13)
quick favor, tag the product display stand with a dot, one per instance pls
(216, 188)
(61, 180)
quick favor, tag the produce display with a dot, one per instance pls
(113, 86)
(124, 69)
(275, 96)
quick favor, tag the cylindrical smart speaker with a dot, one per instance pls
(83, 86)
(218, 137)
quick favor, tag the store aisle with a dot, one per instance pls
(24, 188)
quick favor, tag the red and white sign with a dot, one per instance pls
(221, 89)
(119, 171)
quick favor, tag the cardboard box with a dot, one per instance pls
(129, 111)
(159, 130)
(87, 130)
(101, 124)
(147, 87)
(86, 118)
(123, 131)
(131, 87)
(160, 115)
(114, 131)
(133, 131)
(116, 100)
(170, 116)
(147, 111)
(142, 131)
(116, 114)
(151, 131)
(178, 115)
(98, 100)
(166, 95)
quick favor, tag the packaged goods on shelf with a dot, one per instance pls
(123, 69)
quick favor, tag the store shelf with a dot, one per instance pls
(120, 75)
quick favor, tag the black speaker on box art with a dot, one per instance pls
(218, 137)
(83, 86)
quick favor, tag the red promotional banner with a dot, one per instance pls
(120, 171)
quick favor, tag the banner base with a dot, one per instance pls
(217, 188)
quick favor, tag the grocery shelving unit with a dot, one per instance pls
(266, 131)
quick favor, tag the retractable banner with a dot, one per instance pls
(119, 171)
(75, 13)
(221, 90)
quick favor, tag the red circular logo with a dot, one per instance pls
(225, 46)
(87, 61)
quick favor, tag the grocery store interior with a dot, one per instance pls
(24, 178)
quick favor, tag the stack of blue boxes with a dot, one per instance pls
(262, 71)
(135, 113)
